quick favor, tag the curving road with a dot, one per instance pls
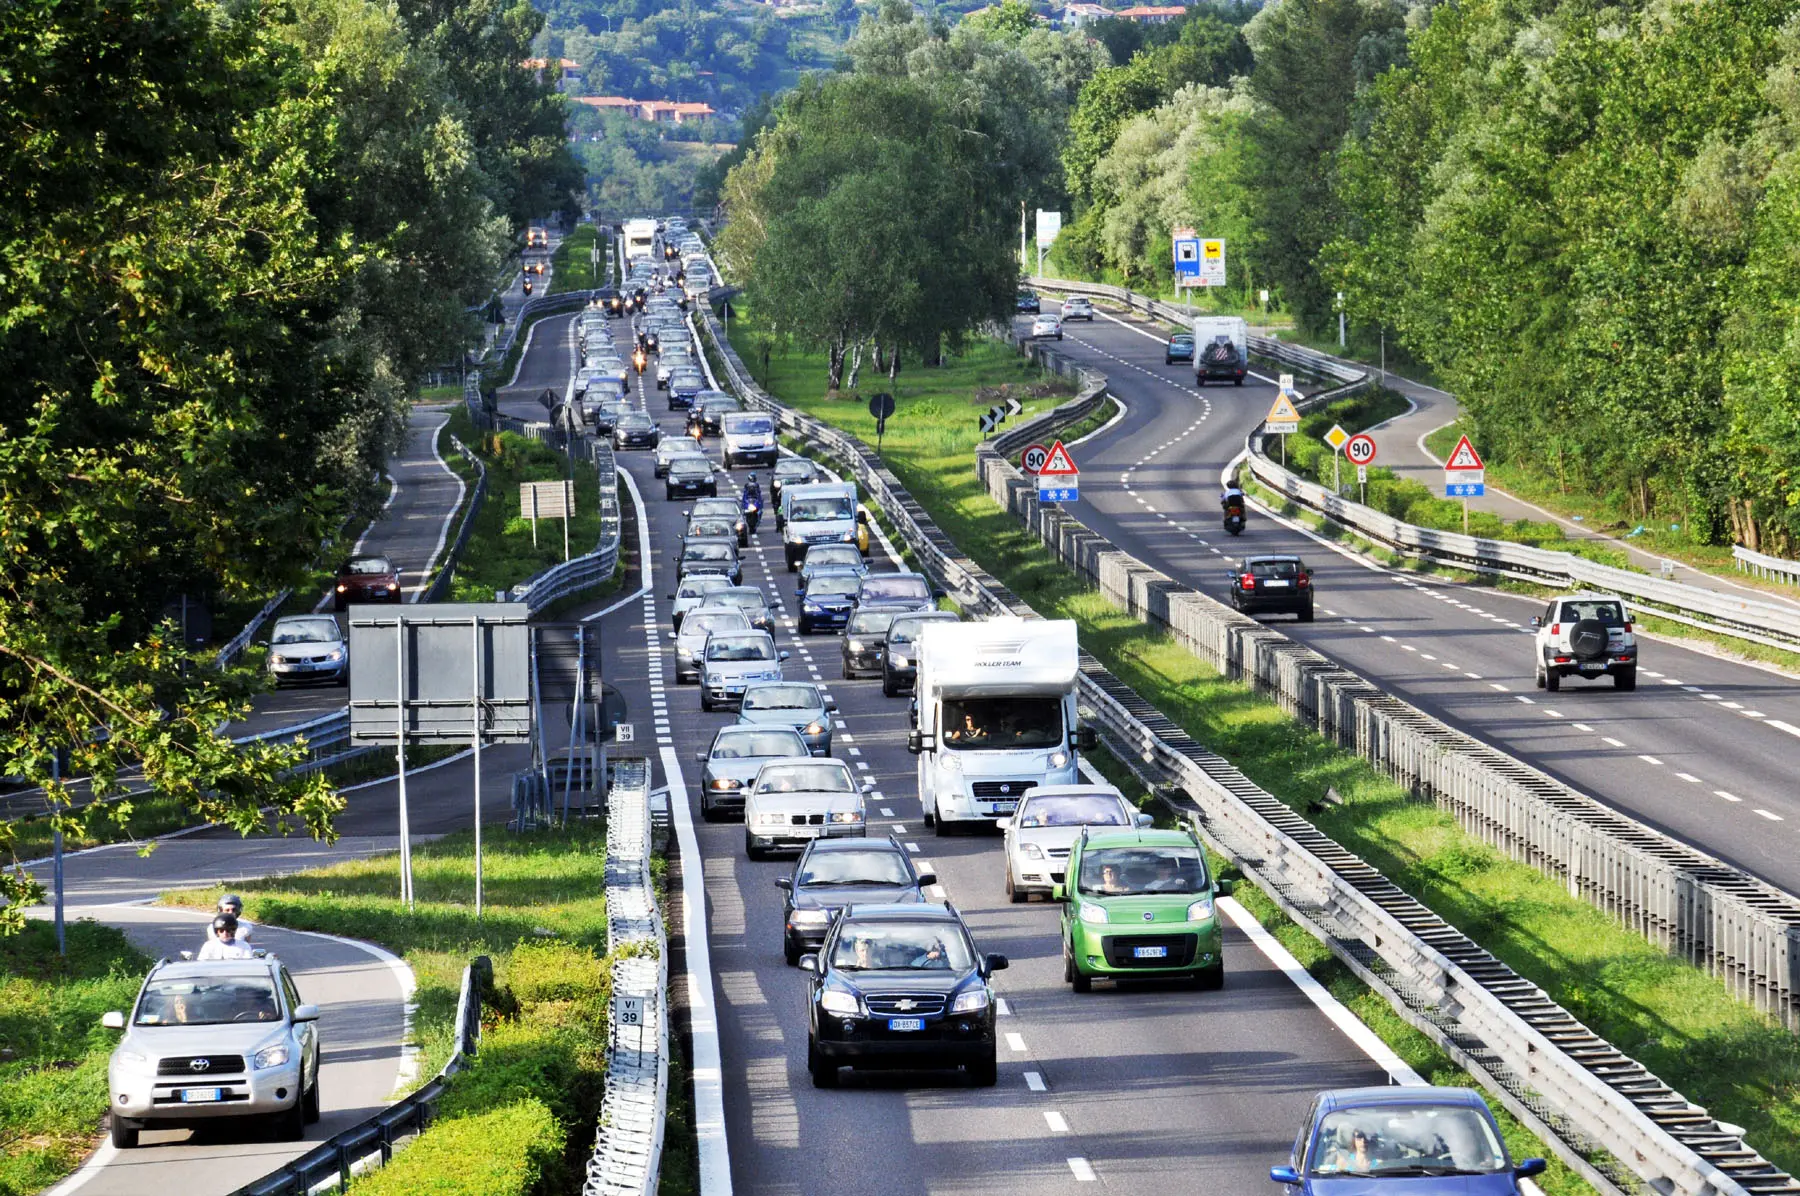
(1705, 750)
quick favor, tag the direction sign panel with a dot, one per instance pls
(1033, 458)
(1360, 448)
(1212, 262)
(1049, 224)
(1187, 255)
(1058, 463)
(1337, 437)
(1464, 457)
(1282, 416)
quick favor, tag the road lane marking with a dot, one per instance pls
(1727, 796)
(1650, 760)
(1082, 1169)
(1769, 816)
(1611, 740)
(1015, 1041)
(1034, 1081)
(1056, 1122)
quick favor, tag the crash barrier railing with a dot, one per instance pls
(1769, 568)
(540, 305)
(1743, 617)
(329, 1166)
(1556, 1075)
(440, 585)
(234, 647)
(627, 1154)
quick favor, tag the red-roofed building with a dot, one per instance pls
(663, 111)
(1151, 15)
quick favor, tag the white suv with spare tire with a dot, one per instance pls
(1585, 635)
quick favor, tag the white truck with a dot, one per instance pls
(640, 240)
(995, 716)
(1213, 337)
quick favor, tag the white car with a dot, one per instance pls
(690, 641)
(1049, 819)
(693, 593)
(1585, 635)
(1045, 326)
(1078, 307)
(729, 662)
(793, 803)
(308, 648)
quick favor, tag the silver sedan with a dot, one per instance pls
(737, 754)
(793, 803)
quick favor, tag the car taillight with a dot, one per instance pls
(1562, 659)
(1304, 579)
(1556, 629)
(1627, 629)
(1248, 581)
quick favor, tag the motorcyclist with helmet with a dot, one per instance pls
(751, 503)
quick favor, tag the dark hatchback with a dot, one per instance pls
(690, 475)
(366, 579)
(863, 636)
(1179, 348)
(828, 602)
(899, 664)
(833, 873)
(709, 412)
(900, 986)
(1272, 584)
(634, 429)
(611, 301)
(797, 470)
(1028, 302)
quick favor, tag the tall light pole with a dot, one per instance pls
(1341, 322)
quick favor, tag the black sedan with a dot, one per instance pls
(634, 429)
(831, 874)
(709, 411)
(863, 638)
(797, 470)
(900, 986)
(691, 475)
(1272, 584)
(1179, 348)
(1028, 302)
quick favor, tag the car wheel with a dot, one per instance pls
(984, 1074)
(670, 494)
(790, 952)
(1072, 975)
(290, 1124)
(1012, 894)
(707, 814)
(887, 687)
(310, 1099)
(943, 827)
(1210, 979)
(1306, 615)
(706, 703)
(1237, 382)
(1552, 680)
(1538, 677)
(124, 1134)
(804, 627)
(849, 673)
(1625, 679)
(824, 1071)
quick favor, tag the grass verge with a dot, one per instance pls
(572, 265)
(53, 1053)
(1672, 1017)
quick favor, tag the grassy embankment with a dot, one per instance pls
(521, 1119)
(572, 265)
(1674, 1018)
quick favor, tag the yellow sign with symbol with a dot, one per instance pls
(1336, 438)
(1282, 417)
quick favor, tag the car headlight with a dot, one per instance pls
(130, 1058)
(816, 727)
(847, 816)
(971, 1001)
(1059, 759)
(1201, 910)
(1094, 915)
(794, 537)
(335, 654)
(770, 819)
(1031, 851)
(850, 536)
(839, 1000)
(902, 661)
(854, 645)
(809, 604)
(724, 783)
(273, 1055)
(809, 917)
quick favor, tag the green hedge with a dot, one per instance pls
(508, 1151)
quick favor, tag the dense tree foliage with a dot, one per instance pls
(233, 238)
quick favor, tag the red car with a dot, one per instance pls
(366, 579)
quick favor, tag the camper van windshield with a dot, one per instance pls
(816, 510)
(1002, 723)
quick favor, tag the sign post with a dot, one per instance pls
(1360, 448)
(1058, 480)
(1465, 476)
(881, 406)
(1336, 438)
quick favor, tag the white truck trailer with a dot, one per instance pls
(640, 240)
(1213, 336)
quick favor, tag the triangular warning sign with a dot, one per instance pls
(1283, 411)
(1058, 462)
(1464, 456)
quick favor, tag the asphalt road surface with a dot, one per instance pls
(1705, 749)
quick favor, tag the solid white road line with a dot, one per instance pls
(643, 522)
(462, 488)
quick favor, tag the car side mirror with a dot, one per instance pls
(671, 635)
(868, 785)
(996, 962)
(306, 1013)
(809, 963)
(1224, 888)
(831, 705)
(784, 882)
(1004, 824)
(113, 1020)
(1530, 1167)
(1086, 740)
(918, 741)
(684, 514)
(1145, 819)
(1284, 1175)
(784, 656)
(1537, 620)
(700, 757)
(927, 879)
(1059, 892)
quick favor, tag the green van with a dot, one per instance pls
(1140, 904)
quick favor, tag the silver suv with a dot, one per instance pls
(1585, 635)
(213, 1039)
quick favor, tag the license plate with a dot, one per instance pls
(1149, 952)
(906, 1023)
(1275, 585)
(1592, 668)
(200, 1096)
(1005, 807)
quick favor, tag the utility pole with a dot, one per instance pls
(1340, 319)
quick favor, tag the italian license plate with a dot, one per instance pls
(1592, 668)
(1275, 585)
(1005, 807)
(1150, 953)
(906, 1023)
(201, 1096)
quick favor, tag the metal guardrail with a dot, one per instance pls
(1769, 568)
(529, 310)
(440, 585)
(330, 1165)
(1548, 1068)
(627, 1155)
(235, 646)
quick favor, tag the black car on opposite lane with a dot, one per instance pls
(1272, 584)
(833, 873)
(1028, 303)
(900, 986)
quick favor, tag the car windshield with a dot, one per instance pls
(805, 778)
(684, 378)
(365, 565)
(1607, 613)
(823, 555)
(749, 744)
(1072, 809)
(914, 589)
(706, 624)
(707, 552)
(1182, 339)
(698, 587)
(822, 587)
(690, 467)
(782, 697)
(740, 647)
(750, 600)
(905, 630)
(635, 421)
(791, 467)
(1279, 570)
(1405, 1140)
(926, 946)
(812, 510)
(1002, 722)
(208, 1001)
(723, 508)
(754, 425)
(854, 868)
(869, 622)
(305, 631)
(710, 527)
(1126, 871)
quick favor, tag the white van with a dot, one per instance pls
(1212, 336)
(820, 513)
(996, 716)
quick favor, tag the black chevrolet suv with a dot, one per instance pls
(901, 986)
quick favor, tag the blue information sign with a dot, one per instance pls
(1187, 257)
(1466, 489)
(1070, 493)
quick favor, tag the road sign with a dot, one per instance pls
(1282, 417)
(625, 732)
(1337, 438)
(1049, 224)
(1212, 262)
(881, 406)
(1362, 474)
(1033, 458)
(1013, 407)
(1360, 448)
(1061, 489)
(1187, 256)
(1059, 463)
(1465, 489)
(628, 1011)
(1464, 457)
(1287, 383)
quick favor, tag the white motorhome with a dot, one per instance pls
(640, 240)
(996, 716)
(1211, 334)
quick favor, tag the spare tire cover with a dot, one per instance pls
(1587, 639)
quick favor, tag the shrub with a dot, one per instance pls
(508, 1151)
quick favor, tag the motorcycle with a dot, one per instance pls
(639, 360)
(752, 508)
(1234, 520)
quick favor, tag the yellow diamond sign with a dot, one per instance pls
(1336, 438)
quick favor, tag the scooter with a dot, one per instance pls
(752, 513)
(1234, 520)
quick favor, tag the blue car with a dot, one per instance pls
(828, 602)
(1391, 1141)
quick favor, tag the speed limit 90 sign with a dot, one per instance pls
(1034, 457)
(1360, 448)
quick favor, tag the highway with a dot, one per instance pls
(1705, 749)
(1146, 1087)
